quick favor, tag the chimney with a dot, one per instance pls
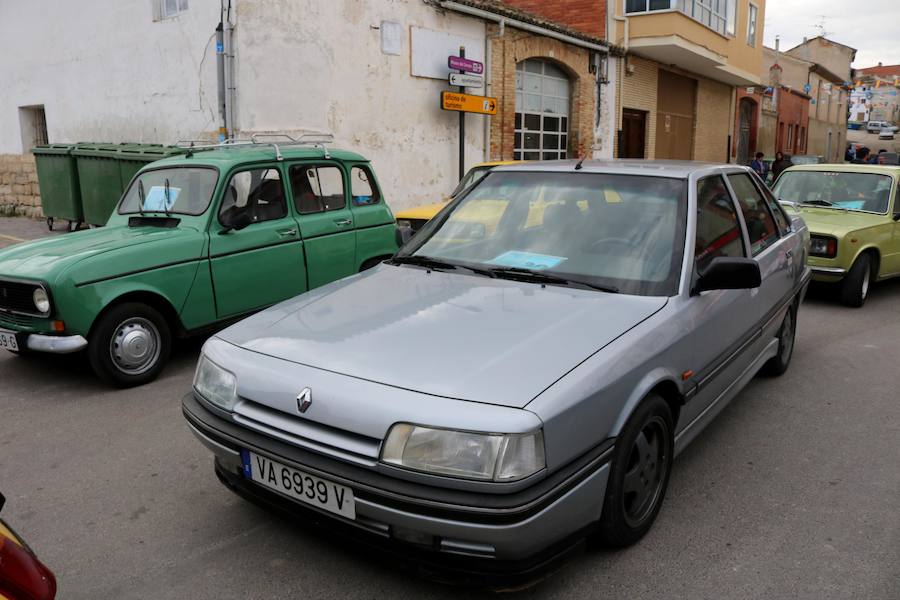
(880, 64)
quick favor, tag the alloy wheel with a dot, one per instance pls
(646, 472)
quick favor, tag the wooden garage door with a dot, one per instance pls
(676, 101)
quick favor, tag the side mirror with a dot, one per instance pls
(236, 219)
(725, 273)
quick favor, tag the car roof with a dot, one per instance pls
(226, 158)
(679, 169)
(850, 168)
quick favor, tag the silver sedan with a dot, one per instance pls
(524, 370)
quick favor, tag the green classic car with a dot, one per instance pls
(196, 241)
(852, 212)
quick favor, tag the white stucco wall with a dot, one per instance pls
(319, 66)
(105, 71)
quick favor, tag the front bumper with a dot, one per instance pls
(830, 274)
(511, 530)
(55, 344)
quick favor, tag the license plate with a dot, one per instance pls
(8, 340)
(297, 484)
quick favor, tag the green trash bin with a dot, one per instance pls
(100, 180)
(134, 156)
(58, 180)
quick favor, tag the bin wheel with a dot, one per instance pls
(74, 226)
(50, 223)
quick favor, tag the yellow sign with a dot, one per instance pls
(484, 105)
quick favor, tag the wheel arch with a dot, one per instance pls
(659, 381)
(875, 253)
(151, 298)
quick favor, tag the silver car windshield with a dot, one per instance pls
(619, 232)
(865, 192)
(177, 190)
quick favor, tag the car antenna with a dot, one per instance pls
(580, 162)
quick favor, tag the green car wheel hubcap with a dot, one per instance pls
(134, 348)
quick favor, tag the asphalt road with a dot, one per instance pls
(793, 492)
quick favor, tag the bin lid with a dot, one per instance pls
(95, 149)
(148, 152)
(57, 149)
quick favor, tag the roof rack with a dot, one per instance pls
(317, 140)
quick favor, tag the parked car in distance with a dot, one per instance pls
(503, 390)
(22, 575)
(877, 126)
(196, 241)
(413, 219)
(886, 134)
(852, 214)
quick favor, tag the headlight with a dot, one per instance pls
(215, 384)
(825, 247)
(487, 456)
(41, 301)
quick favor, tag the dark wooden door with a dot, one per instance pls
(676, 105)
(634, 134)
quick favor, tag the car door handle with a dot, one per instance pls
(287, 232)
(343, 222)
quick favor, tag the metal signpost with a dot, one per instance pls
(469, 75)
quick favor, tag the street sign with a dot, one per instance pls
(484, 105)
(466, 80)
(458, 63)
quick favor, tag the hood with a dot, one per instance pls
(837, 222)
(48, 258)
(444, 334)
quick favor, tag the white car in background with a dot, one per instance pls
(886, 133)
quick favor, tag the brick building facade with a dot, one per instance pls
(587, 16)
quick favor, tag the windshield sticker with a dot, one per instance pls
(526, 260)
(156, 198)
(851, 204)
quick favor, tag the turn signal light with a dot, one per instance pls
(58, 326)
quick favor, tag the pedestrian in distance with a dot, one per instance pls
(862, 156)
(781, 163)
(760, 166)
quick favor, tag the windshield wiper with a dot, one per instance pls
(437, 264)
(166, 202)
(141, 196)
(817, 202)
(520, 274)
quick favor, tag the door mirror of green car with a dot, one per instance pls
(725, 273)
(235, 219)
(897, 216)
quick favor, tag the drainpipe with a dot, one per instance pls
(621, 79)
(220, 80)
(489, 84)
(230, 86)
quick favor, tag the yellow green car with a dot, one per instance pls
(414, 218)
(853, 215)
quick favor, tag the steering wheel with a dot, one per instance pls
(613, 241)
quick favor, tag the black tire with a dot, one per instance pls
(855, 285)
(129, 345)
(778, 364)
(639, 474)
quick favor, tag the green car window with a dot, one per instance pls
(317, 188)
(258, 191)
(866, 192)
(177, 190)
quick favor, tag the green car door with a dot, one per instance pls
(260, 261)
(319, 194)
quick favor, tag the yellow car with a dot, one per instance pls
(853, 215)
(414, 218)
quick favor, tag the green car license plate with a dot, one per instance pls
(8, 340)
(299, 485)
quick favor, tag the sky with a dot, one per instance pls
(870, 26)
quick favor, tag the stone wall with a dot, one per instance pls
(19, 192)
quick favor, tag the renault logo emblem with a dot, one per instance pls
(304, 400)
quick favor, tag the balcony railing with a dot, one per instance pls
(718, 15)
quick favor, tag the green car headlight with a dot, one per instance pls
(41, 301)
(215, 384)
(820, 245)
(465, 454)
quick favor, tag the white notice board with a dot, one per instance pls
(429, 51)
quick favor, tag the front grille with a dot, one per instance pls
(18, 322)
(17, 296)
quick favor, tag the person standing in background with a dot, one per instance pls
(780, 164)
(862, 156)
(760, 166)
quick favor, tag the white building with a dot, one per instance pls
(368, 71)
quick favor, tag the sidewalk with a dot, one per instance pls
(19, 229)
